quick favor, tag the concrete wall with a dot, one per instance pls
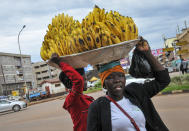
(12, 74)
(43, 72)
(184, 36)
(54, 89)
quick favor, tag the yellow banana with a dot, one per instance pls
(82, 43)
(96, 13)
(102, 15)
(42, 54)
(97, 40)
(115, 39)
(109, 16)
(99, 28)
(90, 41)
(105, 38)
(92, 32)
(116, 31)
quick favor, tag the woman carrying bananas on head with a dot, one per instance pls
(128, 108)
(76, 103)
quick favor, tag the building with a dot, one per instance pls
(170, 50)
(54, 86)
(169, 42)
(42, 71)
(183, 41)
(15, 76)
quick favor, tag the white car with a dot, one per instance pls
(90, 84)
(130, 79)
(8, 105)
(16, 98)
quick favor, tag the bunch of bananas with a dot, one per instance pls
(67, 36)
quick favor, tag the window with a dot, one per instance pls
(4, 102)
(43, 65)
(37, 72)
(57, 85)
(44, 71)
(36, 67)
(46, 77)
(38, 78)
(54, 76)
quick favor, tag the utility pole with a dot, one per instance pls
(185, 24)
(21, 60)
(178, 29)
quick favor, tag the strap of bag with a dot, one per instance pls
(125, 113)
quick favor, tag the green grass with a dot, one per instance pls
(97, 87)
(176, 87)
(93, 89)
(177, 83)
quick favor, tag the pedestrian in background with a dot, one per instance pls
(183, 66)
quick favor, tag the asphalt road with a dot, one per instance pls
(49, 116)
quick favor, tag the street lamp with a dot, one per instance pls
(19, 46)
(21, 63)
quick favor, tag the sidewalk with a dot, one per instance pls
(173, 74)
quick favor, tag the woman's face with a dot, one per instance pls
(115, 83)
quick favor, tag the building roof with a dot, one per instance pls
(186, 31)
(169, 41)
(50, 81)
(11, 54)
(39, 63)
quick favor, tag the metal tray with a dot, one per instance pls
(99, 56)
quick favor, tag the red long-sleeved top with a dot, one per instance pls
(76, 102)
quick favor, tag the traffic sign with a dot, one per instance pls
(168, 49)
(181, 43)
(182, 51)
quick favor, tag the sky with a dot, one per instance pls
(154, 19)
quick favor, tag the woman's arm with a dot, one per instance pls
(73, 75)
(144, 48)
(162, 78)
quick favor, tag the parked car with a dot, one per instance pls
(16, 98)
(92, 84)
(3, 97)
(170, 69)
(37, 95)
(130, 79)
(8, 105)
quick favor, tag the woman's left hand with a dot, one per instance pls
(143, 45)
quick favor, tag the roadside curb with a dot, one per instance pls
(64, 96)
(46, 100)
(174, 92)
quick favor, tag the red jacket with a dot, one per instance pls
(76, 102)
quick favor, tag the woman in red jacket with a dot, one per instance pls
(76, 103)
